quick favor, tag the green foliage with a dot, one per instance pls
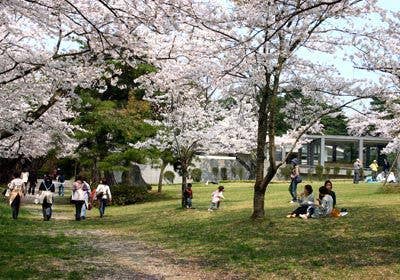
(327, 169)
(196, 174)
(348, 172)
(319, 169)
(169, 176)
(111, 119)
(125, 195)
(215, 172)
(224, 173)
(336, 170)
(285, 171)
(335, 125)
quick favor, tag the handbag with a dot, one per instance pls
(298, 179)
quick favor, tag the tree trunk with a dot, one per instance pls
(249, 163)
(161, 177)
(109, 175)
(185, 174)
(134, 178)
(259, 187)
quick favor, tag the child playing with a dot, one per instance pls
(216, 197)
(188, 195)
(305, 200)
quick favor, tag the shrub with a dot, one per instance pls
(215, 172)
(169, 176)
(336, 170)
(125, 195)
(224, 173)
(327, 169)
(196, 174)
(319, 169)
(348, 172)
(286, 171)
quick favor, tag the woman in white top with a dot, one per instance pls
(103, 195)
(16, 192)
(324, 209)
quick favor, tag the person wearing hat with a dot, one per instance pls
(356, 167)
(295, 179)
(374, 168)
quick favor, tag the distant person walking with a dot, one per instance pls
(356, 168)
(103, 195)
(16, 192)
(61, 184)
(86, 196)
(32, 180)
(295, 179)
(78, 197)
(374, 169)
(47, 189)
(24, 177)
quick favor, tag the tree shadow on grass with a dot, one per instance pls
(367, 237)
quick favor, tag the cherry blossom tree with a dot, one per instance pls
(48, 48)
(254, 52)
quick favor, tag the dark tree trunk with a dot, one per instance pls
(249, 163)
(185, 175)
(259, 187)
(161, 177)
(134, 178)
(109, 175)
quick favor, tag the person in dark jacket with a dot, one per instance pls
(47, 189)
(32, 180)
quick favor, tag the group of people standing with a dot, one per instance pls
(82, 196)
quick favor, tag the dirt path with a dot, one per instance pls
(124, 257)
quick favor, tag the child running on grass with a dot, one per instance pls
(216, 197)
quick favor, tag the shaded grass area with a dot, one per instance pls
(364, 244)
(32, 249)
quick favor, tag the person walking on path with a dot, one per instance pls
(103, 195)
(47, 189)
(374, 168)
(16, 192)
(78, 197)
(86, 195)
(61, 184)
(24, 177)
(295, 179)
(32, 180)
(356, 167)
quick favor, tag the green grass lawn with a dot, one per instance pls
(364, 244)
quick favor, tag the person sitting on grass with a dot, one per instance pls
(322, 210)
(305, 200)
(328, 184)
(188, 196)
(216, 197)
